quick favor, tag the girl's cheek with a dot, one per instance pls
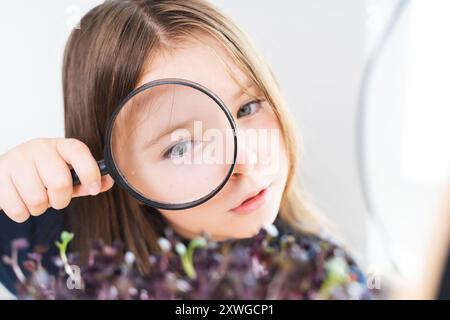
(270, 144)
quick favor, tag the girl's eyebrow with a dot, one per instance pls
(242, 91)
(186, 124)
(168, 130)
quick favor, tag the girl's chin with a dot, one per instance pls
(251, 231)
(235, 236)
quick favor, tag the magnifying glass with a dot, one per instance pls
(171, 144)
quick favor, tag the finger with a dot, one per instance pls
(28, 184)
(107, 183)
(78, 155)
(11, 202)
(55, 175)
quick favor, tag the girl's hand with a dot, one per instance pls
(36, 175)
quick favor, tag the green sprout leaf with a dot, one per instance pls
(66, 238)
(337, 275)
(187, 255)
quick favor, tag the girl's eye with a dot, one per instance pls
(179, 150)
(249, 108)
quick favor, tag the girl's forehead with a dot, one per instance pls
(208, 65)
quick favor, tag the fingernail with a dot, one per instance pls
(94, 188)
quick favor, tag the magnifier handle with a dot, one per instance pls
(101, 166)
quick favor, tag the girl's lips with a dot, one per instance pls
(252, 203)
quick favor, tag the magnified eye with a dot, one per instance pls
(179, 150)
(249, 108)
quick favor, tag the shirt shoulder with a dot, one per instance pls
(36, 230)
(42, 230)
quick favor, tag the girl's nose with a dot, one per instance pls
(246, 159)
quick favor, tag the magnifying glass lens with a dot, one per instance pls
(173, 144)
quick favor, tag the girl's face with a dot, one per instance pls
(260, 170)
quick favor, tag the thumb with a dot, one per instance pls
(107, 183)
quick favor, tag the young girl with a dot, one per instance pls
(119, 46)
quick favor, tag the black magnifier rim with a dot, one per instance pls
(122, 182)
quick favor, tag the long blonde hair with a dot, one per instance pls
(103, 62)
